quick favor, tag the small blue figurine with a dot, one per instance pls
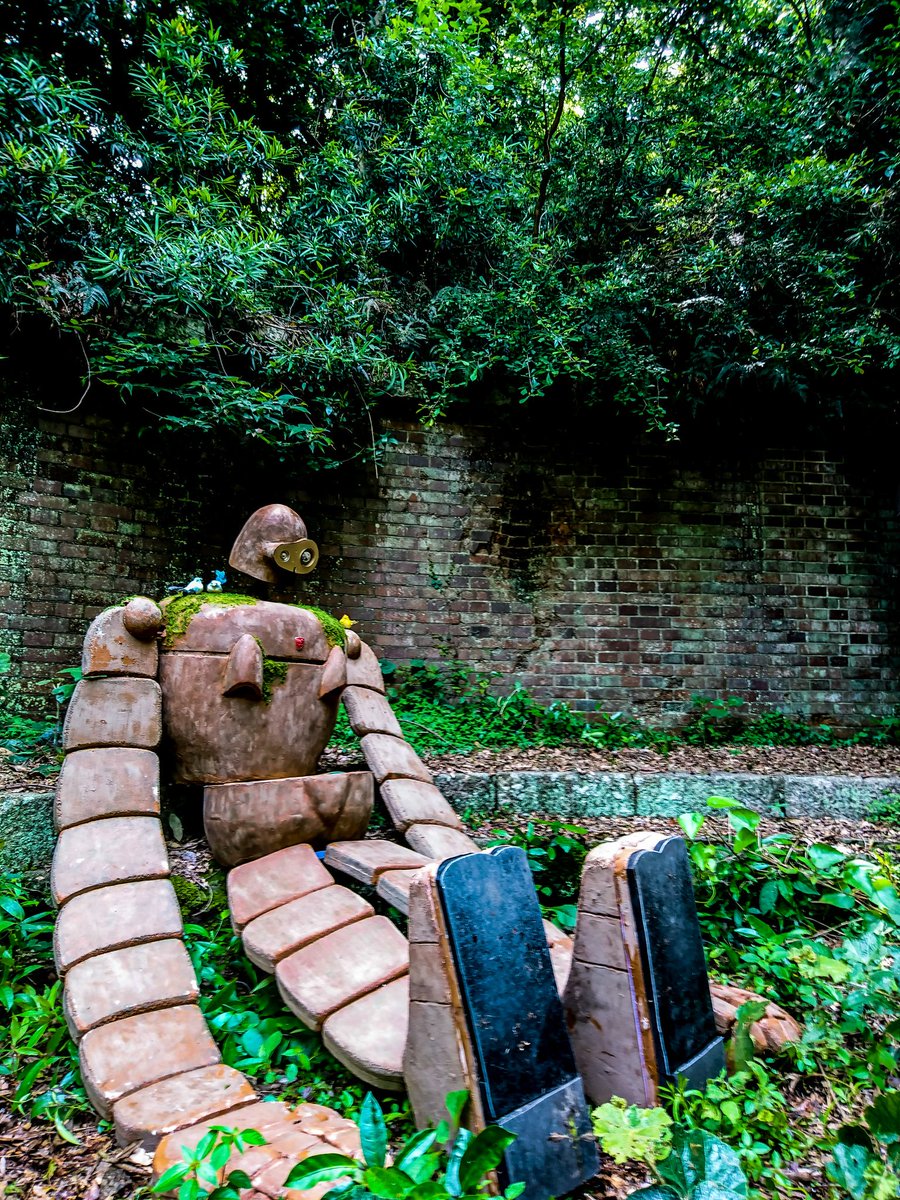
(216, 584)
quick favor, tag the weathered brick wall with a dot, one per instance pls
(588, 571)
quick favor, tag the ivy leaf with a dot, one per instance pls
(848, 1168)
(883, 1117)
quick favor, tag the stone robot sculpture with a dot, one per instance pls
(241, 696)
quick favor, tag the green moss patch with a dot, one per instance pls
(274, 673)
(335, 633)
(179, 613)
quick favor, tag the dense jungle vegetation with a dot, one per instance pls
(275, 218)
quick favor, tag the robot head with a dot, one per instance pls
(274, 536)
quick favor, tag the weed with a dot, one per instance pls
(36, 1051)
(687, 1163)
(556, 853)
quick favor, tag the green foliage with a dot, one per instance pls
(271, 222)
(205, 1166)
(556, 853)
(447, 708)
(36, 1052)
(629, 1133)
(32, 739)
(254, 1031)
(420, 1169)
(816, 929)
(699, 1167)
(688, 1164)
(866, 1160)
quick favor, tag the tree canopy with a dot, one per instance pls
(275, 217)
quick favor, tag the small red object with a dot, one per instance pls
(299, 642)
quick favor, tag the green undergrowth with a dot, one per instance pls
(446, 708)
(816, 929)
(812, 927)
(255, 1032)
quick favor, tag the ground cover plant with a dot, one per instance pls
(816, 929)
(810, 925)
(448, 708)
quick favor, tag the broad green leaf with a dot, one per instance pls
(175, 1174)
(848, 1168)
(321, 1168)
(691, 823)
(743, 839)
(632, 1134)
(421, 1169)
(373, 1133)
(12, 907)
(419, 1144)
(824, 857)
(482, 1155)
(387, 1182)
(883, 1117)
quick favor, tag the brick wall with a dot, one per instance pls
(586, 568)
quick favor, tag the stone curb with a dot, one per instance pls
(27, 836)
(660, 794)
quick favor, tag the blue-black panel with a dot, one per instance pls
(674, 963)
(506, 979)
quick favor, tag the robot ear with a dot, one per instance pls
(268, 528)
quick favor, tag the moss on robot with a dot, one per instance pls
(335, 633)
(179, 613)
(274, 674)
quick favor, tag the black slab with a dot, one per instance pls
(554, 1150)
(527, 1075)
(674, 962)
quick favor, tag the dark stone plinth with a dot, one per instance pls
(674, 964)
(527, 1075)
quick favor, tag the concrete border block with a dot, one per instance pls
(27, 836)
(567, 794)
(835, 795)
(469, 792)
(668, 794)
